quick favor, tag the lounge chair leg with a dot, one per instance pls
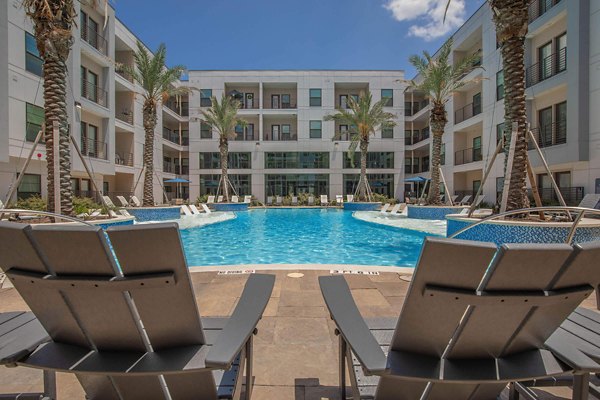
(342, 369)
(581, 384)
(513, 394)
(353, 382)
(248, 368)
(49, 385)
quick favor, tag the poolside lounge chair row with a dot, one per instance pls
(475, 318)
(191, 210)
(398, 209)
(234, 199)
(133, 201)
(324, 200)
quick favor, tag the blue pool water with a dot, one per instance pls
(300, 236)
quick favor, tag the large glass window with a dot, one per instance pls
(315, 97)
(205, 97)
(209, 183)
(561, 122)
(33, 61)
(500, 131)
(375, 160)
(205, 131)
(500, 85)
(477, 155)
(34, 121)
(210, 160)
(477, 104)
(388, 95)
(298, 160)
(387, 133)
(316, 130)
(379, 183)
(31, 185)
(294, 184)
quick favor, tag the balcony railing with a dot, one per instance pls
(246, 136)
(417, 137)
(179, 108)
(125, 116)
(467, 156)
(280, 138)
(413, 169)
(95, 39)
(547, 68)
(466, 112)
(124, 158)
(537, 8)
(94, 148)
(173, 136)
(94, 93)
(282, 106)
(121, 71)
(550, 135)
(176, 169)
(416, 107)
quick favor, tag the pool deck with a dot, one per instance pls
(295, 349)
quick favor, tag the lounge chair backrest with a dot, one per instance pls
(269, 200)
(324, 199)
(91, 313)
(136, 201)
(235, 199)
(247, 199)
(278, 200)
(385, 207)
(123, 202)
(186, 210)
(294, 200)
(479, 199)
(395, 209)
(125, 213)
(1, 204)
(220, 199)
(339, 198)
(466, 199)
(205, 208)
(590, 201)
(108, 201)
(210, 200)
(349, 198)
(194, 209)
(311, 200)
(516, 320)
(112, 214)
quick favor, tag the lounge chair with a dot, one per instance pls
(186, 210)
(205, 208)
(311, 200)
(1, 205)
(398, 209)
(220, 199)
(269, 200)
(128, 329)
(278, 200)
(210, 200)
(466, 200)
(479, 200)
(124, 213)
(194, 209)
(324, 200)
(247, 199)
(453, 198)
(136, 202)
(349, 198)
(108, 202)
(590, 201)
(124, 203)
(294, 200)
(475, 318)
(385, 208)
(339, 199)
(112, 214)
(235, 199)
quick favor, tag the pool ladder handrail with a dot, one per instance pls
(581, 211)
(43, 213)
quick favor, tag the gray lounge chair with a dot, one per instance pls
(269, 200)
(475, 318)
(466, 200)
(279, 200)
(129, 330)
(294, 200)
(590, 201)
(108, 202)
(123, 201)
(479, 200)
(453, 198)
(311, 200)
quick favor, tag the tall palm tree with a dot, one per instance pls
(223, 117)
(53, 21)
(158, 83)
(363, 119)
(440, 79)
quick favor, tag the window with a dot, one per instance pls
(89, 85)
(286, 131)
(343, 132)
(500, 85)
(31, 185)
(294, 184)
(300, 160)
(250, 132)
(388, 95)
(315, 97)
(205, 131)
(205, 97)
(34, 121)
(387, 133)
(545, 61)
(561, 50)
(90, 143)
(286, 101)
(476, 186)
(315, 129)
(500, 131)
(375, 160)
(380, 183)
(408, 165)
(212, 160)
(477, 156)
(209, 183)
(425, 164)
(545, 127)
(560, 113)
(33, 61)
(443, 154)
(477, 104)
(343, 101)
(275, 101)
(275, 129)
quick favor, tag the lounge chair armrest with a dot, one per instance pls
(351, 324)
(242, 323)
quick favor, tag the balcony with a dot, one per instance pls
(94, 93)
(411, 109)
(537, 8)
(94, 148)
(547, 68)
(466, 112)
(467, 156)
(121, 71)
(180, 108)
(550, 135)
(417, 137)
(125, 116)
(176, 169)
(125, 159)
(173, 136)
(96, 40)
(282, 137)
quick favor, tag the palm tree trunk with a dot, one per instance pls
(511, 21)
(364, 151)
(437, 122)
(149, 126)
(224, 150)
(55, 110)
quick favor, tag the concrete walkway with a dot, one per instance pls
(295, 349)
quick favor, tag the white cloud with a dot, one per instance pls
(428, 16)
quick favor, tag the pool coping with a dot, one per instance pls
(305, 267)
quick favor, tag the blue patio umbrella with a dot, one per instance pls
(417, 179)
(177, 181)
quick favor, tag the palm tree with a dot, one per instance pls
(440, 79)
(158, 83)
(223, 117)
(363, 119)
(53, 21)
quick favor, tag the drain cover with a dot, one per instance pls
(295, 275)
(406, 278)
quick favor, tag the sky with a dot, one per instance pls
(286, 34)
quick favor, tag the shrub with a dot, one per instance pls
(85, 204)
(202, 199)
(35, 202)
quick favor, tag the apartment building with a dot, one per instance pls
(104, 106)
(563, 100)
(287, 147)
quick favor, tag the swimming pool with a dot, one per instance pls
(300, 236)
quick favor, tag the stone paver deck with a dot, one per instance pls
(295, 349)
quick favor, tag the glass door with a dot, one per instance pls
(545, 60)
(561, 122)
(286, 132)
(275, 101)
(275, 132)
(477, 156)
(545, 121)
(92, 79)
(286, 101)
(561, 53)
(343, 101)
(250, 132)
(249, 100)
(477, 104)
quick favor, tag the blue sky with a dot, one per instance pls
(285, 34)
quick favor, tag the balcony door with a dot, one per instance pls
(561, 122)
(249, 100)
(286, 101)
(343, 101)
(545, 60)
(477, 104)
(477, 149)
(250, 132)
(275, 130)
(561, 52)
(545, 123)
(275, 101)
